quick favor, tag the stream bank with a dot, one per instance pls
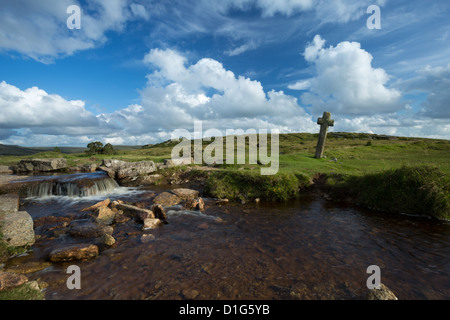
(60, 219)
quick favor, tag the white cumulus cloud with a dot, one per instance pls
(44, 113)
(177, 94)
(345, 81)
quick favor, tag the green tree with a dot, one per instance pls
(108, 149)
(94, 148)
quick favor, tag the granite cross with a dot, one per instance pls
(324, 122)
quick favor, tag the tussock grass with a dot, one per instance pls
(421, 190)
(242, 185)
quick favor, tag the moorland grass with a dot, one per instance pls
(386, 171)
(420, 190)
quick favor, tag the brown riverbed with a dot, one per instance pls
(305, 249)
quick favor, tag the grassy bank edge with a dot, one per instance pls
(420, 190)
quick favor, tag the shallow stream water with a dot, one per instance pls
(304, 249)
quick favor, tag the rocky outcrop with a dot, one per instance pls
(126, 172)
(74, 252)
(108, 212)
(41, 165)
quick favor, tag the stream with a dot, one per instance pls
(304, 249)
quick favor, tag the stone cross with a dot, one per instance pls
(324, 122)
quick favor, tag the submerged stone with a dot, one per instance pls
(89, 230)
(74, 252)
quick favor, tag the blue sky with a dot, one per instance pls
(137, 71)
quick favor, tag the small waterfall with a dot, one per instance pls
(74, 185)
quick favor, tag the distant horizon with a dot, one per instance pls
(162, 141)
(130, 72)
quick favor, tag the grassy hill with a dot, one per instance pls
(375, 170)
(345, 153)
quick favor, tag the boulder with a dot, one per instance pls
(113, 163)
(136, 213)
(106, 239)
(167, 199)
(17, 229)
(110, 171)
(150, 223)
(185, 194)
(89, 167)
(105, 215)
(126, 172)
(384, 293)
(10, 280)
(6, 169)
(159, 212)
(41, 165)
(195, 204)
(89, 230)
(9, 203)
(74, 252)
(132, 170)
(103, 203)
